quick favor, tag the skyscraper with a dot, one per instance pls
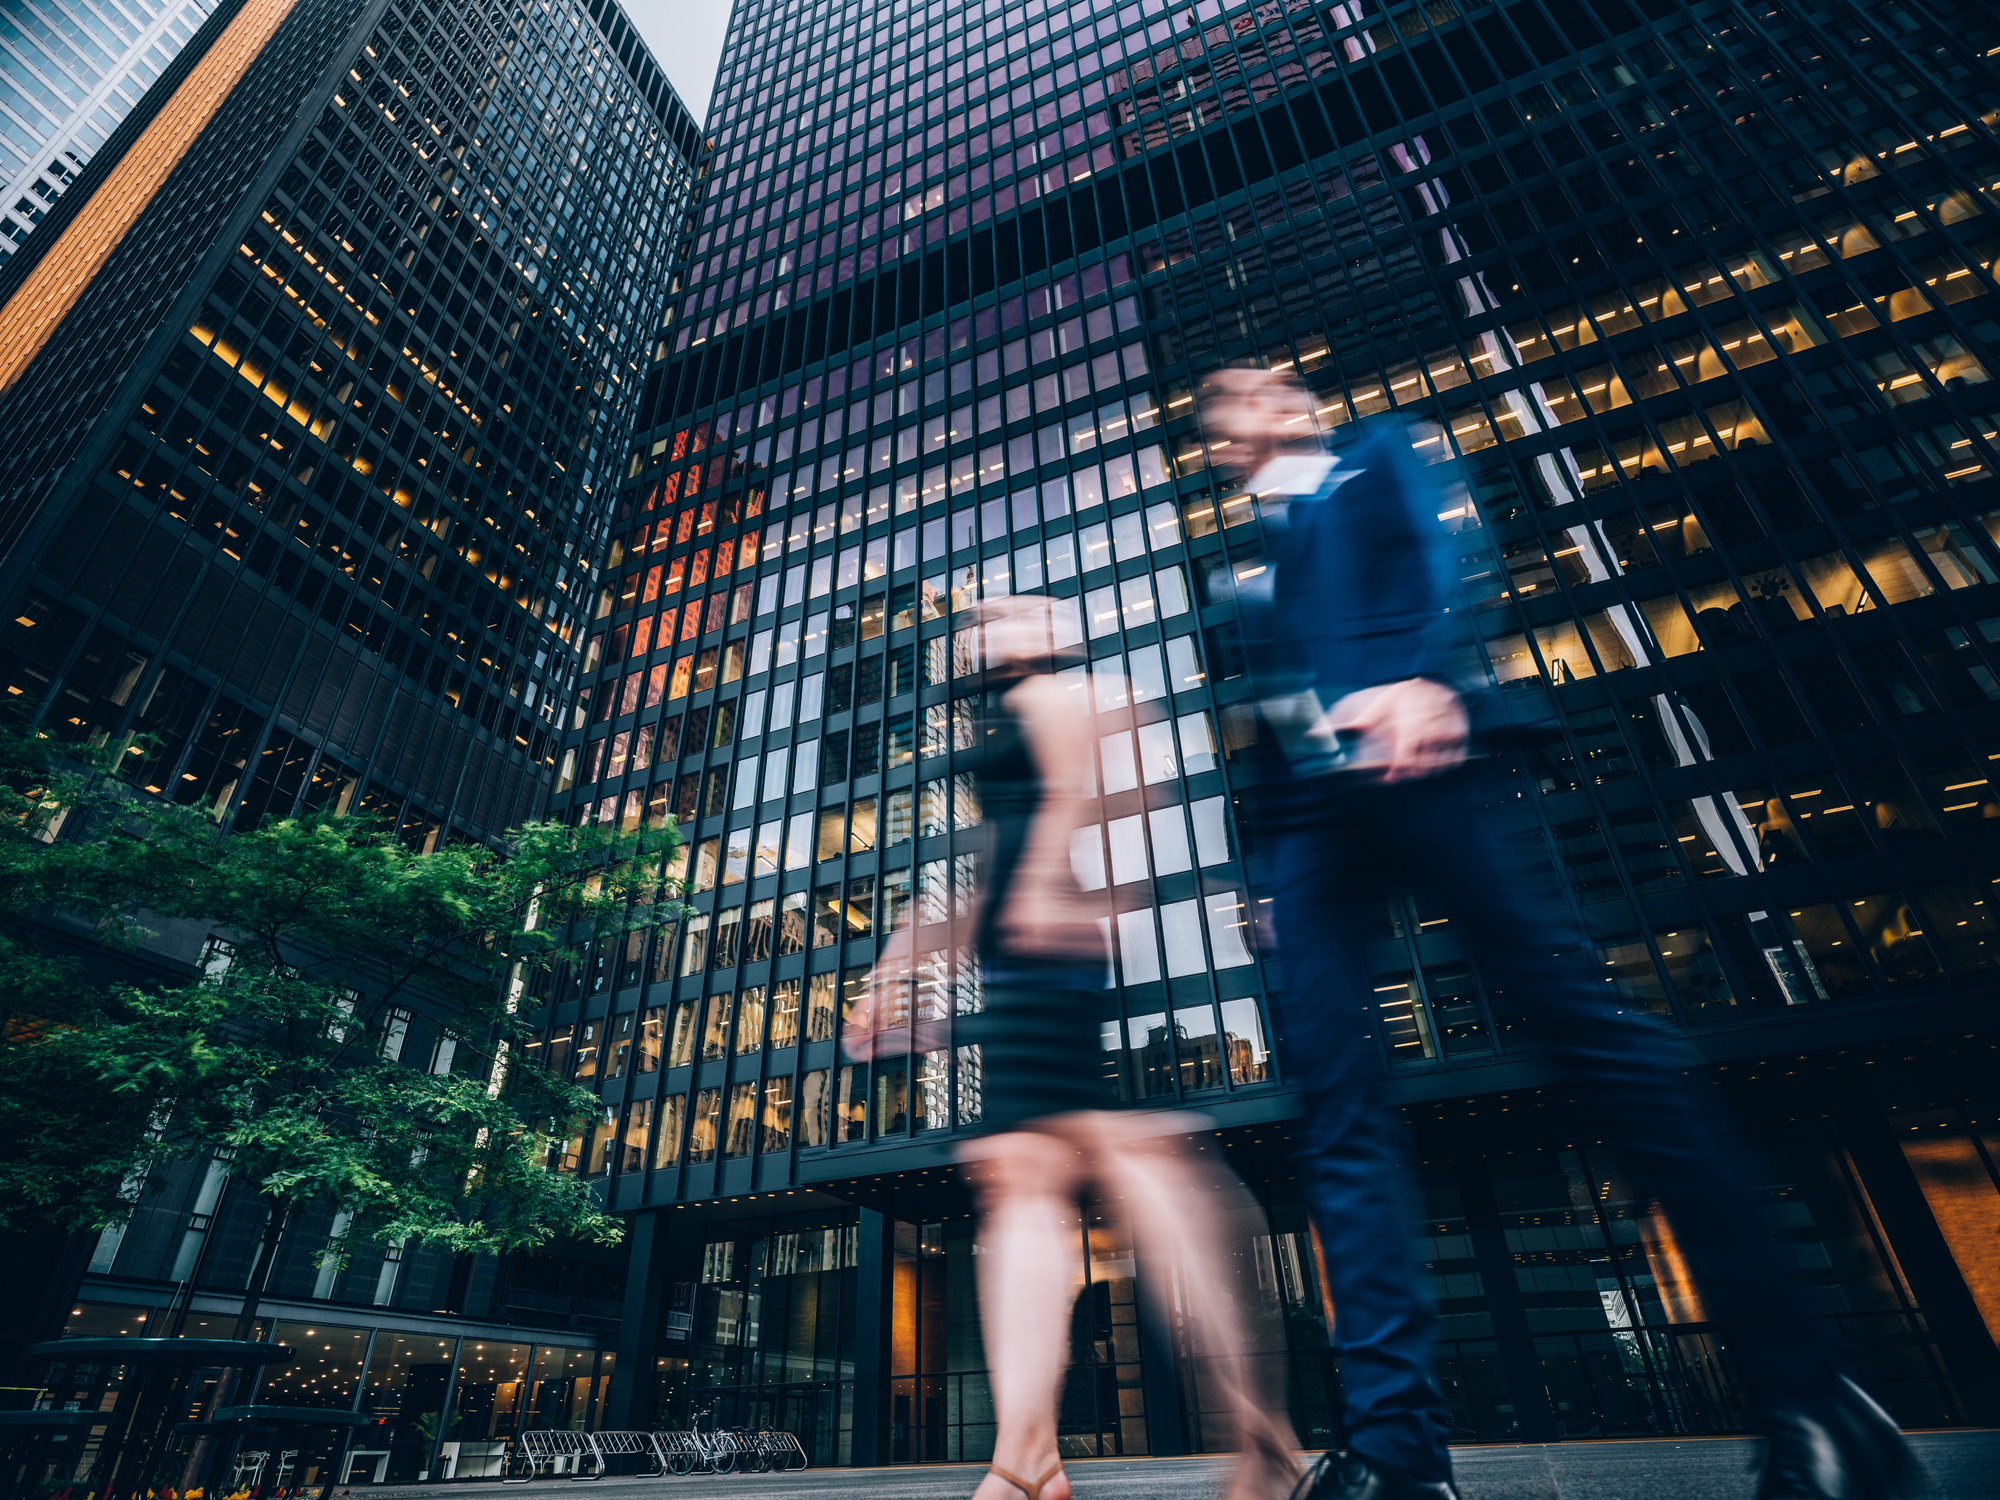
(71, 75)
(316, 379)
(316, 385)
(1698, 299)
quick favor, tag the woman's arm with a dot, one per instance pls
(1043, 914)
(893, 963)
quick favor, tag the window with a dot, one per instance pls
(681, 1045)
(396, 1021)
(792, 923)
(652, 1023)
(813, 1104)
(1245, 1051)
(749, 1020)
(715, 1033)
(634, 1134)
(784, 1007)
(775, 1133)
(740, 1137)
(822, 1006)
(619, 1056)
(673, 1117)
(850, 1107)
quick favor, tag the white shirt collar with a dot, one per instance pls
(1292, 474)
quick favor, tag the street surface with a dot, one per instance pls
(1961, 1466)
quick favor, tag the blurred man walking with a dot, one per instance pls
(1373, 690)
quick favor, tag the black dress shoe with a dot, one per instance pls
(1841, 1447)
(1349, 1476)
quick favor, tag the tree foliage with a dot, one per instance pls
(327, 934)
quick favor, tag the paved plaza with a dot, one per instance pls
(1961, 1465)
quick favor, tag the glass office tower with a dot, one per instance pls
(309, 474)
(1698, 300)
(316, 381)
(72, 73)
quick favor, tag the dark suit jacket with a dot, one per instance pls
(1361, 586)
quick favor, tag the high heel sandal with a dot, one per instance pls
(1032, 1491)
(1265, 1468)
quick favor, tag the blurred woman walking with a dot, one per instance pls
(1048, 1140)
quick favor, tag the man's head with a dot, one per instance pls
(1257, 413)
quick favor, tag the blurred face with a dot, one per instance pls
(1253, 414)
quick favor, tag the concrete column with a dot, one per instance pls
(1159, 1358)
(874, 1306)
(1504, 1304)
(629, 1403)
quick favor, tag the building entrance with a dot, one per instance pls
(808, 1413)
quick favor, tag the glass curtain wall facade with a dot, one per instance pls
(325, 536)
(306, 481)
(72, 73)
(1699, 301)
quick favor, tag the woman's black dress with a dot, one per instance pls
(1041, 1032)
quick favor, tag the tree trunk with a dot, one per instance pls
(260, 1273)
(200, 1454)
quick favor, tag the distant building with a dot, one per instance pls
(68, 76)
(315, 382)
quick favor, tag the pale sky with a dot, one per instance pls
(686, 38)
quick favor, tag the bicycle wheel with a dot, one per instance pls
(680, 1463)
(723, 1463)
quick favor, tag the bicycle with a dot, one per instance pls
(781, 1451)
(679, 1454)
(694, 1451)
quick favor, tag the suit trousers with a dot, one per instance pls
(1341, 844)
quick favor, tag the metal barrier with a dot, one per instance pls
(551, 1450)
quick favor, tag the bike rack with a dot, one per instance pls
(543, 1448)
(540, 1451)
(679, 1452)
(608, 1445)
(784, 1447)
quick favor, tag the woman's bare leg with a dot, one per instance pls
(1029, 1267)
(1188, 1211)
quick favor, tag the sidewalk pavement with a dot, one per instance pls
(1961, 1466)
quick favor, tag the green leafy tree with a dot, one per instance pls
(274, 1053)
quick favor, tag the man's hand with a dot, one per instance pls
(1411, 729)
(1258, 413)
